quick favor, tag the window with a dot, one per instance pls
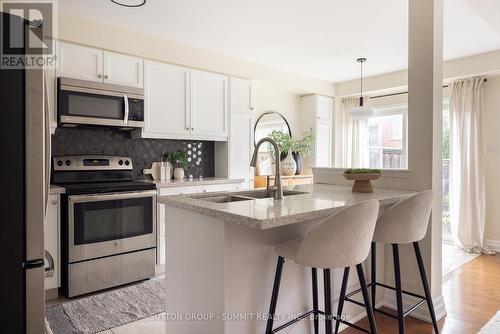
(387, 139)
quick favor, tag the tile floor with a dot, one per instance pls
(454, 258)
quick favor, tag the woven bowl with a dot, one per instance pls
(362, 182)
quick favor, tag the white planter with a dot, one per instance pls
(179, 173)
(288, 165)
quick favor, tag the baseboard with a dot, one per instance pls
(493, 244)
(421, 312)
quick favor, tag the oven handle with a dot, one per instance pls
(112, 196)
(125, 101)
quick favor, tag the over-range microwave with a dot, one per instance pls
(82, 102)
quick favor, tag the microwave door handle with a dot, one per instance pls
(125, 101)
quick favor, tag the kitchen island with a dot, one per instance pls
(220, 261)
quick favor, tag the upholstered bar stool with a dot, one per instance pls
(339, 241)
(403, 223)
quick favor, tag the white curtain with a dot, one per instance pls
(355, 146)
(467, 194)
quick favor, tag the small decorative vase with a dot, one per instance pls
(298, 161)
(288, 165)
(179, 173)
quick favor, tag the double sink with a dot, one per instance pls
(244, 196)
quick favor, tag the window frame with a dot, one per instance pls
(392, 110)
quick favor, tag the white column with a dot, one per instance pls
(425, 103)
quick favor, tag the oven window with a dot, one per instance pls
(91, 105)
(112, 220)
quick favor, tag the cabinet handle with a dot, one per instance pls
(187, 128)
(192, 128)
(106, 76)
(99, 75)
(54, 202)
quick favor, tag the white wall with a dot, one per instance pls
(491, 124)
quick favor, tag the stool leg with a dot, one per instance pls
(343, 291)
(366, 299)
(274, 297)
(314, 275)
(399, 290)
(328, 301)
(428, 296)
(374, 273)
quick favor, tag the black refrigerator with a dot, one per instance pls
(25, 139)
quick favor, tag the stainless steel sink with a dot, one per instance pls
(243, 196)
(225, 198)
(263, 193)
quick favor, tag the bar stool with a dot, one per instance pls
(339, 241)
(403, 223)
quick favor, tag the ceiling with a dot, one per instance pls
(315, 38)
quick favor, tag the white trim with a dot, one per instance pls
(493, 244)
(421, 312)
(387, 173)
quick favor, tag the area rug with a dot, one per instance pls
(493, 326)
(93, 314)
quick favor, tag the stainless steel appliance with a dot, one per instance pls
(108, 223)
(83, 102)
(25, 138)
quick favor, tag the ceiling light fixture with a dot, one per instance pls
(129, 4)
(361, 112)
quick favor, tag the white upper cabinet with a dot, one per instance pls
(123, 70)
(323, 149)
(208, 105)
(317, 114)
(324, 107)
(167, 102)
(79, 62)
(240, 95)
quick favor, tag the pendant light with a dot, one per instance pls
(362, 112)
(129, 4)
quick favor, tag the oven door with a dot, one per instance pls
(107, 224)
(97, 106)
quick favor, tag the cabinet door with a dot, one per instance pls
(221, 187)
(51, 240)
(208, 105)
(79, 62)
(240, 95)
(123, 70)
(323, 149)
(324, 108)
(240, 146)
(167, 109)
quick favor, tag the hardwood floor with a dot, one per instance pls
(472, 297)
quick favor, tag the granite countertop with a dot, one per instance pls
(193, 182)
(320, 201)
(56, 190)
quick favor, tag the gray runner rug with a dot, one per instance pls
(109, 309)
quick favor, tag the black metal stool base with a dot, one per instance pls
(328, 301)
(399, 291)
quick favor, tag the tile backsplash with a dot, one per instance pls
(77, 141)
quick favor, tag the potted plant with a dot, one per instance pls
(179, 160)
(362, 178)
(301, 147)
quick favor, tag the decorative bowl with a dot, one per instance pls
(362, 179)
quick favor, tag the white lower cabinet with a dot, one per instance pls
(160, 212)
(52, 244)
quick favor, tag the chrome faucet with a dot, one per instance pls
(276, 190)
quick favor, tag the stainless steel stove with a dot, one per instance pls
(108, 223)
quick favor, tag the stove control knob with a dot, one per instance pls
(68, 162)
(127, 162)
(59, 163)
(120, 162)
